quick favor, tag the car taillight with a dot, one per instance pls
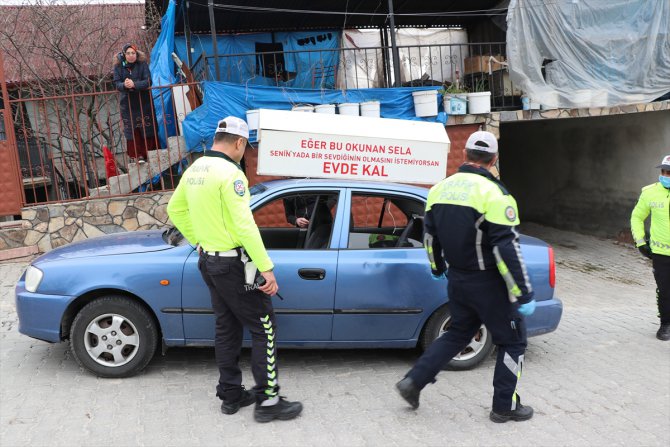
(552, 268)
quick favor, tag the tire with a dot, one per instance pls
(477, 351)
(127, 328)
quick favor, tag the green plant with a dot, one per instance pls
(481, 84)
(452, 88)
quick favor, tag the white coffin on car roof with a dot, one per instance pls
(298, 144)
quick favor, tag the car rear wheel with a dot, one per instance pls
(113, 336)
(477, 351)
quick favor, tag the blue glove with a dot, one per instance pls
(528, 308)
(439, 277)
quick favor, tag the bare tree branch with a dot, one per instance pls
(62, 51)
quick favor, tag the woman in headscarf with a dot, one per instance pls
(132, 79)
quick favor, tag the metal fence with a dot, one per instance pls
(72, 146)
(472, 67)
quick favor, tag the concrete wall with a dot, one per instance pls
(583, 174)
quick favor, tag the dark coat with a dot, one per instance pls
(135, 104)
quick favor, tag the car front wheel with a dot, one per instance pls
(479, 348)
(113, 336)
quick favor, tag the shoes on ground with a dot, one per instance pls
(231, 407)
(521, 413)
(409, 392)
(282, 410)
(664, 332)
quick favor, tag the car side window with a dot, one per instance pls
(297, 221)
(385, 221)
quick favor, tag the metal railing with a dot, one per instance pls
(72, 146)
(474, 67)
(61, 139)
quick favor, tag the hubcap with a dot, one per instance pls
(111, 340)
(476, 344)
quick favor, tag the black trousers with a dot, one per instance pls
(661, 265)
(476, 298)
(235, 307)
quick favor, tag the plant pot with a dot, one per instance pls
(371, 108)
(479, 102)
(303, 108)
(528, 103)
(455, 103)
(252, 122)
(252, 119)
(328, 109)
(425, 103)
(585, 98)
(349, 108)
(549, 100)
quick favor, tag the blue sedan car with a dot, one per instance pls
(356, 277)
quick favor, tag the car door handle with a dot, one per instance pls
(312, 274)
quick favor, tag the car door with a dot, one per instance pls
(384, 287)
(306, 275)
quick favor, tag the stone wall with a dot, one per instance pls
(53, 225)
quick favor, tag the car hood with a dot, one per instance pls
(111, 244)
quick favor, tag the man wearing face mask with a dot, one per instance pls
(655, 201)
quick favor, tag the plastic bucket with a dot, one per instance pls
(549, 100)
(252, 119)
(479, 102)
(599, 98)
(371, 108)
(425, 103)
(581, 98)
(349, 108)
(325, 108)
(528, 103)
(456, 104)
(303, 108)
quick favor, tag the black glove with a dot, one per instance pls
(645, 250)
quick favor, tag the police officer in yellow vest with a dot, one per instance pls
(470, 234)
(655, 200)
(211, 209)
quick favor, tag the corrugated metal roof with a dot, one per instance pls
(39, 40)
(237, 16)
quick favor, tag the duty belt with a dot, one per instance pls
(224, 254)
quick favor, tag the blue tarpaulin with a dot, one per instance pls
(301, 59)
(223, 99)
(162, 73)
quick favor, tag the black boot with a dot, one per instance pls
(521, 413)
(409, 392)
(230, 407)
(663, 332)
(282, 410)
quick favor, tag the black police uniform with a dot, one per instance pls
(470, 234)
